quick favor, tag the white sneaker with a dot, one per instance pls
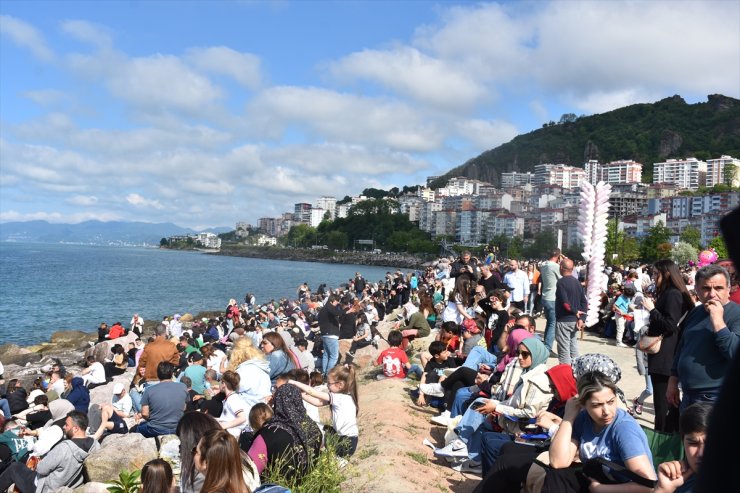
(456, 448)
(469, 466)
(621, 344)
(442, 420)
(432, 389)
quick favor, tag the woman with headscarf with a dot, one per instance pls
(531, 394)
(290, 440)
(459, 387)
(505, 466)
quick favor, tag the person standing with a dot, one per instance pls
(570, 311)
(549, 276)
(673, 302)
(137, 325)
(329, 320)
(518, 283)
(710, 339)
(359, 284)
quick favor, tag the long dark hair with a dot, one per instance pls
(156, 477)
(190, 429)
(670, 276)
(221, 452)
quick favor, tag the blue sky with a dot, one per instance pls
(208, 113)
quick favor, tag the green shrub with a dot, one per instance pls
(325, 474)
(127, 482)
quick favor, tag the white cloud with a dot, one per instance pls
(344, 117)
(88, 32)
(84, 200)
(27, 36)
(137, 200)
(243, 67)
(487, 134)
(45, 97)
(413, 74)
(58, 217)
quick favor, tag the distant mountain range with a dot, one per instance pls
(96, 232)
(646, 133)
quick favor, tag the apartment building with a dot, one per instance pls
(515, 179)
(622, 171)
(505, 224)
(327, 204)
(723, 171)
(302, 213)
(687, 174)
(559, 174)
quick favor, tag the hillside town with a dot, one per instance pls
(684, 193)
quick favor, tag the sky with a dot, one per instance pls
(208, 113)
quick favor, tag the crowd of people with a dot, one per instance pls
(242, 391)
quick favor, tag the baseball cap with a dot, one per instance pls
(117, 388)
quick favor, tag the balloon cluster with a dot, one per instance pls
(592, 228)
(707, 257)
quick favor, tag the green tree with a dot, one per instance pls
(544, 242)
(692, 236)
(302, 235)
(718, 243)
(658, 235)
(164, 242)
(336, 240)
(683, 252)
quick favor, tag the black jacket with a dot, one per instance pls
(329, 317)
(669, 308)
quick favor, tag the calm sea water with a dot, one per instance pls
(45, 287)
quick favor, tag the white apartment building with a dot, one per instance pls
(717, 171)
(508, 225)
(317, 215)
(343, 210)
(208, 240)
(328, 204)
(593, 171)
(622, 171)
(688, 174)
(559, 174)
(428, 216)
(514, 179)
(427, 194)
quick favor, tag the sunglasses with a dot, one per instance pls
(524, 354)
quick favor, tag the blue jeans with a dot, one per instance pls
(691, 396)
(148, 431)
(5, 407)
(477, 356)
(331, 353)
(491, 444)
(462, 395)
(549, 307)
(135, 399)
(470, 430)
(415, 370)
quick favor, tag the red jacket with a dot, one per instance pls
(116, 331)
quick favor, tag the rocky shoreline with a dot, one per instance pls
(391, 260)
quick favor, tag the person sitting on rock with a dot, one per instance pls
(162, 405)
(61, 467)
(94, 375)
(113, 415)
(116, 331)
(78, 395)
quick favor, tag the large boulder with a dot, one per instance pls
(86, 488)
(12, 354)
(119, 453)
(71, 339)
(101, 350)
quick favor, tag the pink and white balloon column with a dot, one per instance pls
(592, 228)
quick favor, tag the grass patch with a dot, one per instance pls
(418, 457)
(324, 476)
(368, 452)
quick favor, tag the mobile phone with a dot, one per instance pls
(477, 405)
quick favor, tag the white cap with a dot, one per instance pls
(117, 388)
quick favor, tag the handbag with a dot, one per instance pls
(651, 344)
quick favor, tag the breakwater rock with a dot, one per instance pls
(395, 260)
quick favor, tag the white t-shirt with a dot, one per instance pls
(96, 373)
(122, 404)
(235, 406)
(215, 360)
(343, 414)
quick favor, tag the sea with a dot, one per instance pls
(49, 287)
